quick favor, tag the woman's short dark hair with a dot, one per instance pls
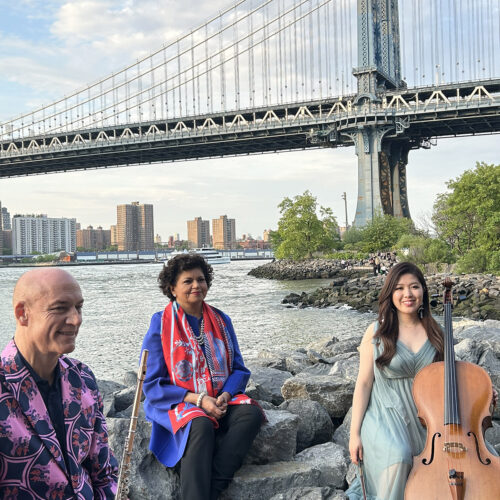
(176, 265)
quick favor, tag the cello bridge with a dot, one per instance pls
(453, 446)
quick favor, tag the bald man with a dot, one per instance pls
(53, 436)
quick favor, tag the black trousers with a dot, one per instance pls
(212, 456)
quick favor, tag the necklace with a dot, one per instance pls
(200, 338)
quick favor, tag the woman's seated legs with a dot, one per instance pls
(234, 438)
(196, 463)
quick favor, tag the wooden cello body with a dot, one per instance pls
(453, 400)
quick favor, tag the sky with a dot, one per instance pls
(49, 48)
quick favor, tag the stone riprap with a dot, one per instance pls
(476, 296)
(285, 269)
(302, 450)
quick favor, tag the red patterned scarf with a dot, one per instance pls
(189, 368)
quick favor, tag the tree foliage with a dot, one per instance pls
(301, 232)
(468, 217)
(380, 234)
(422, 249)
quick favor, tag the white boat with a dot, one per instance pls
(211, 255)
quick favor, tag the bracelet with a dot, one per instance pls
(200, 399)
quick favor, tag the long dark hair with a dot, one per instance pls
(388, 324)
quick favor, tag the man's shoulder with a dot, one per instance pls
(80, 368)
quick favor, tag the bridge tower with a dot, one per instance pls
(381, 148)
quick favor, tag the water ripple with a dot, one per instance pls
(120, 299)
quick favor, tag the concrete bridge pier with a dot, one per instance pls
(381, 174)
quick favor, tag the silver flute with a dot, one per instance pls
(123, 478)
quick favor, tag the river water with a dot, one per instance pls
(120, 299)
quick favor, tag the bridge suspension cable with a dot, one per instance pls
(260, 53)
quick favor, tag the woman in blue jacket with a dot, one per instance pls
(195, 384)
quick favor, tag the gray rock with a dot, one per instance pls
(108, 387)
(262, 482)
(149, 479)
(276, 440)
(297, 362)
(346, 368)
(331, 459)
(272, 359)
(130, 378)
(317, 369)
(342, 432)
(265, 384)
(332, 392)
(487, 330)
(266, 405)
(316, 357)
(124, 399)
(315, 425)
(323, 345)
(349, 345)
(352, 472)
(311, 493)
(492, 435)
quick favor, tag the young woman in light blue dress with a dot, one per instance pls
(385, 430)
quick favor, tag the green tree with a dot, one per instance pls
(468, 217)
(380, 233)
(301, 232)
(422, 249)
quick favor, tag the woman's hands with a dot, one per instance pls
(216, 408)
(355, 449)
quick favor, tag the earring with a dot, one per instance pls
(420, 311)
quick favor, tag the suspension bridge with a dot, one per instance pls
(277, 75)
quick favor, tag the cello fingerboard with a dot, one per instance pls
(451, 408)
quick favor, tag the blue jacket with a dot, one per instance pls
(162, 395)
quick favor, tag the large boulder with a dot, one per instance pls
(346, 366)
(315, 425)
(265, 384)
(271, 359)
(148, 479)
(342, 432)
(333, 392)
(262, 482)
(311, 493)
(297, 361)
(276, 440)
(492, 435)
(107, 389)
(331, 459)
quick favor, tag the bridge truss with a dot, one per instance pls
(276, 75)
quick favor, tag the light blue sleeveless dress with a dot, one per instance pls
(391, 433)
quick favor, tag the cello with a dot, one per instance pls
(453, 402)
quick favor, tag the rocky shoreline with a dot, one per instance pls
(476, 296)
(302, 451)
(285, 269)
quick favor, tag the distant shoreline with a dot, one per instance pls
(81, 263)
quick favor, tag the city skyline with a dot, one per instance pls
(43, 46)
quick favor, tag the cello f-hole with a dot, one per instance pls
(487, 461)
(429, 462)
